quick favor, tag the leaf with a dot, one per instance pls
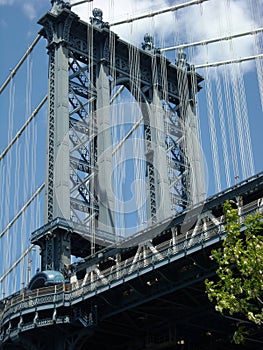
(239, 287)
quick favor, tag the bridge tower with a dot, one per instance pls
(79, 196)
(148, 289)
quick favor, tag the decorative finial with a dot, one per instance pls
(148, 44)
(97, 13)
(181, 60)
(58, 6)
(96, 20)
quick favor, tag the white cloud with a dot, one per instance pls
(3, 23)
(217, 19)
(208, 20)
(6, 2)
(29, 10)
(28, 7)
(132, 32)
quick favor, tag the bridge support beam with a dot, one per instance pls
(163, 200)
(195, 182)
(105, 190)
(55, 245)
(52, 341)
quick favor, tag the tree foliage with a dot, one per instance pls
(239, 286)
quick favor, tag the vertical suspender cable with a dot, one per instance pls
(183, 95)
(122, 169)
(26, 169)
(16, 230)
(238, 120)
(199, 185)
(243, 133)
(134, 99)
(116, 122)
(33, 223)
(250, 168)
(230, 123)
(8, 188)
(212, 129)
(92, 127)
(139, 151)
(222, 127)
(256, 11)
(231, 107)
(2, 223)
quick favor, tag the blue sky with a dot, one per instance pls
(18, 29)
(18, 24)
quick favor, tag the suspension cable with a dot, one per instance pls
(25, 253)
(159, 12)
(80, 2)
(235, 60)
(214, 40)
(212, 130)
(219, 97)
(38, 191)
(14, 71)
(19, 133)
(135, 126)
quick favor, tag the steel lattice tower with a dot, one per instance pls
(146, 291)
(79, 200)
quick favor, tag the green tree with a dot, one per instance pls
(239, 286)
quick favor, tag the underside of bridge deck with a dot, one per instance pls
(165, 309)
(153, 306)
(168, 309)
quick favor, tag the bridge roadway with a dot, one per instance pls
(146, 292)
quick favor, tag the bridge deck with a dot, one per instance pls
(131, 274)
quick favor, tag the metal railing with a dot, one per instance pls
(70, 292)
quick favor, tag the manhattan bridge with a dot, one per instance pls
(112, 186)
